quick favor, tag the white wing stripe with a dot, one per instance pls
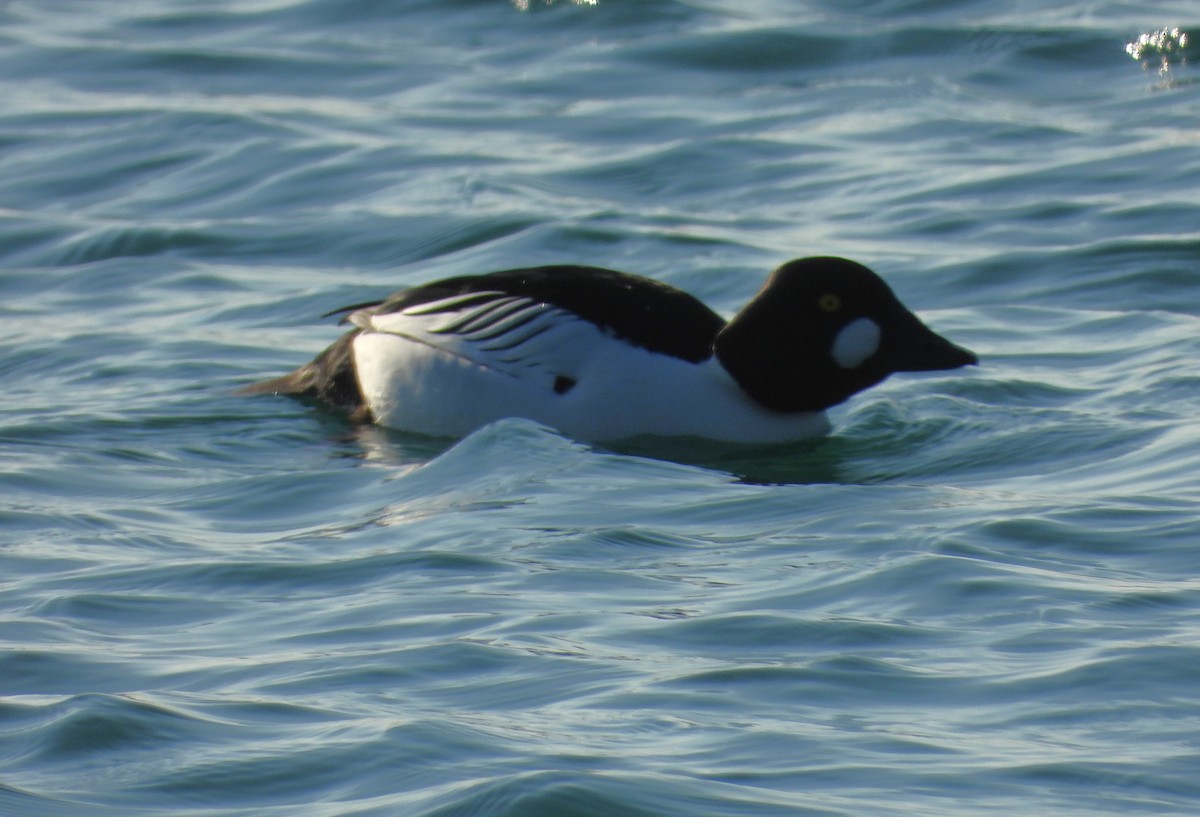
(500, 321)
(454, 302)
(464, 323)
(520, 339)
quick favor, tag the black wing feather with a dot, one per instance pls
(647, 313)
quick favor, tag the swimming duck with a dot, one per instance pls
(602, 355)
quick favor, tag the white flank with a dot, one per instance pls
(857, 341)
(449, 373)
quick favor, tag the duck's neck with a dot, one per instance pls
(778, 365)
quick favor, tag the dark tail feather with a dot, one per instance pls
(288, 384)
(329, 378)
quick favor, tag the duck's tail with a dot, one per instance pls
(329, 379)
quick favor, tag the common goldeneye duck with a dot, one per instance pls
(602, 355)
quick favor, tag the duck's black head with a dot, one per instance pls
(822, 329)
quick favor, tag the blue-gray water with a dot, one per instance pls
(980, 596)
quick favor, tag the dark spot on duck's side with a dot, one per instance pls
(563, 384)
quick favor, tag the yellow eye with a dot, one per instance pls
(829, 302)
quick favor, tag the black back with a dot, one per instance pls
(647, 313)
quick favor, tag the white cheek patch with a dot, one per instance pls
(857, 341)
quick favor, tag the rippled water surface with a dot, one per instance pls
(980, 595)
